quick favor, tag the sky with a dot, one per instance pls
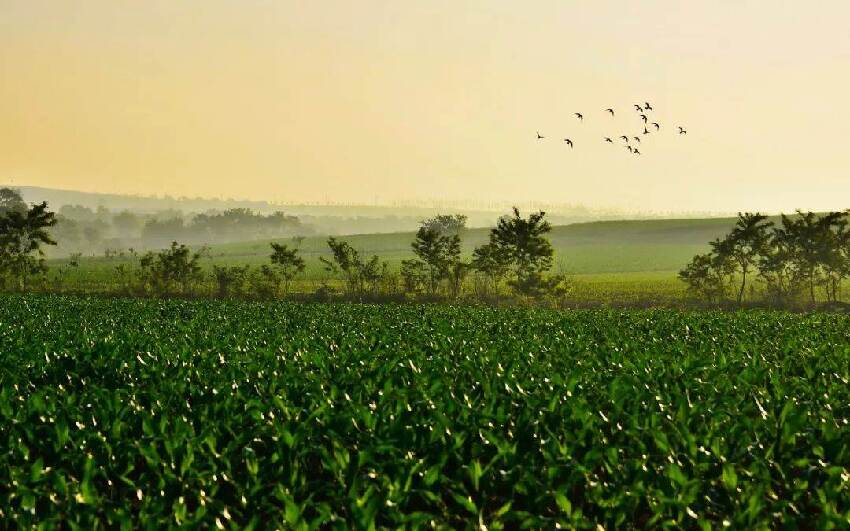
(380, 101)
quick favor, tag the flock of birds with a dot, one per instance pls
(643, 111)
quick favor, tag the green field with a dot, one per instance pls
(611, 261)
(582, 248)
(151, 413)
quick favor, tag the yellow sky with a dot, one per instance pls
(394, 100)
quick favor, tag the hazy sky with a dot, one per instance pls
(394, 100)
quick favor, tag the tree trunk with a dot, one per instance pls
(812, 286)
(743, 284)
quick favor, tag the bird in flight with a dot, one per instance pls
(630, 149)
(607, 139)
(637, 138)
(638, 108)
(624, 137)
(636, 152)
(647, 106)
(645, 131)
(611, 111)
(657, 127)
(539, 136)
(569, 142)
(579, 116)
(682, 130)
(643, 117)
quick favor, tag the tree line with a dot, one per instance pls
(798, 259)
(82, 229)
(801, 260)
(516, 259)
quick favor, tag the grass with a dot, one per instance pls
(624, 260)
(149, 414)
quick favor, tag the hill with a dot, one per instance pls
(581, 248)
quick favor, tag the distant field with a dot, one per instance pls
(604, 259)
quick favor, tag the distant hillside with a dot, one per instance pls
(597, 247)
(142, 204)
(601, 247)
(324, 219)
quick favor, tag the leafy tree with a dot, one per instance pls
(229, 279)
(345, 260)
(238, 223)
(11, 201)
(832, 240)
(264, 282)
(159, 230)
(171, 271)
(494, 262)
(744, 246)
(22, 234)
(706, 275)
(531, 253)
(77, 213)
(361, 276)
(776, 268)
(445, 224)
(804, 252)
(813, 246)
(127, 223)
(371, 273)
(440, 254)
(288, 263)
(414, 276)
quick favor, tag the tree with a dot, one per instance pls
(706, 275)
(832, 237)
(439, 253)
(805, 251)
(22, 234)
(345, 260)
(371, 273)
(747, 242)
(229, 279)
(777, 269)
(494, 262)
(414, 276)
(264, 282)
(360, 276)
(813, 247)
(172, 270)
(530, 252)
(446, 224)
(11, 201)
(288, 263)
(159, 230)
(127, 223)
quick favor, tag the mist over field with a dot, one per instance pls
(92, 223)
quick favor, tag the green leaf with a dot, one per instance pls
(730, 478)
